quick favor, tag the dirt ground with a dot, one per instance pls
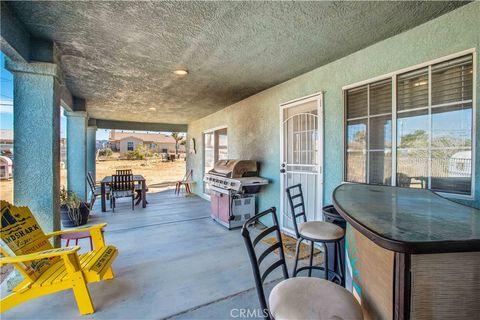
(157, 173)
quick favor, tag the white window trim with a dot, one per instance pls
(210, 130)
(393, 75)
(215, 129)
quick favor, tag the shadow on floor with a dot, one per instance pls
(174, 262)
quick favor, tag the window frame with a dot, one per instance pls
(393, 76)
(215, 151)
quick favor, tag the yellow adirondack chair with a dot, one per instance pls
(47, 269)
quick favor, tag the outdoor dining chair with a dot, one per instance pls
(124, 171)
(292, 298)
(122, 186)
(95, 190)
(186, 181)
(139, 192)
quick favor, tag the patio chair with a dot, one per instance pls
(293, 298)
(95, 189)
(46, 269)
(124, 172)
(122, 186)
(138, 191)
(314, 231)
(165, 157)
(186, 181)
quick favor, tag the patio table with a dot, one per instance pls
(136, 178)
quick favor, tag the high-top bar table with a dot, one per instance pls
(413, 254)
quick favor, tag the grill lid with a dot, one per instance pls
(231, 168)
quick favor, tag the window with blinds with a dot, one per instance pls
(433, 114)
(369, 133)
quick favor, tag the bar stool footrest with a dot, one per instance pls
(331, 274)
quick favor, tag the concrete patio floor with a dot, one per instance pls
(174, 262)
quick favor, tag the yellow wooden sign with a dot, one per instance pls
(22, 234)
(48, 270)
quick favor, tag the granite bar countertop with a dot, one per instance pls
(409, 220)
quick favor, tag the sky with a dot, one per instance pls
(6, 96)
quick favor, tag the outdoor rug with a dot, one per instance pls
(289, 246)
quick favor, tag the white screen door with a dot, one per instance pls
(302, 156)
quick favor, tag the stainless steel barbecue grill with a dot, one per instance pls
(234, 185)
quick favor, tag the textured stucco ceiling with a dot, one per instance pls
(119, 56)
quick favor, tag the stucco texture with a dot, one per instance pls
(253, 123)
(120, 56)
(36, 148)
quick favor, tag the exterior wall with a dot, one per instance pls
(124, 144)
(169, 146)
(121, 146)
(253, 123)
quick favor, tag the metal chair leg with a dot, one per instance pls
(297, 253)
(341, 271)
(92, 201)
(311, 258)
(335, 257)
(326, 260)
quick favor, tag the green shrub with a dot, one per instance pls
(105, 152)
(140, 153)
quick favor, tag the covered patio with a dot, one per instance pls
(175, 263)
(370, 108)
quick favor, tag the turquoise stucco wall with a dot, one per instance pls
(77, 153)
(253, 123)
(37, 132)
(91, 151)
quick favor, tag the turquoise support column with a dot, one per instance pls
(77, 153)
(91, 149)
(36, 149)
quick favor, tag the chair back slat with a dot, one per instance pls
(122, 182)
(21, 232)
(91, 182)
(256, 259)
(123, 172)
(263, 234)
(267, 251)
(297, 205)
(188, 175)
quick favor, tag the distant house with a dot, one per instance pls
(6, 142)
(157, 142)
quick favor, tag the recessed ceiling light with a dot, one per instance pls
(180, 72)
(152, 109)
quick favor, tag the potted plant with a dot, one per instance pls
(74, 212)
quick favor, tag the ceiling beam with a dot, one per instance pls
(15, 39)
(140, 126)
(20, 46)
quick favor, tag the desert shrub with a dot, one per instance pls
(140, 153)
(105, 152)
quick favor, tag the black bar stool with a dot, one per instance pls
(314, 231)
(292, 298)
